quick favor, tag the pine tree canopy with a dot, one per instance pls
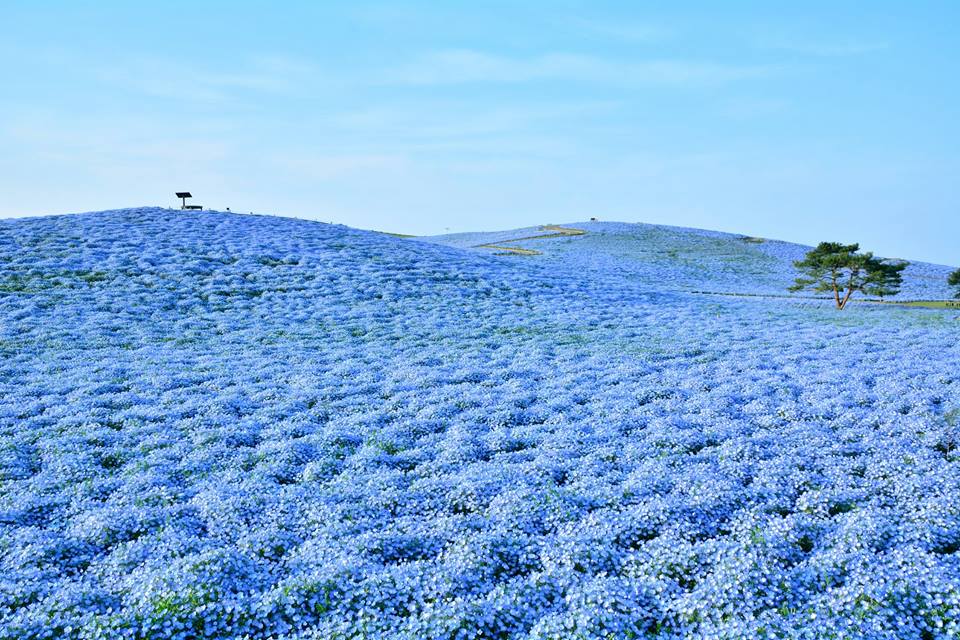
(954, 281)
(843, 270)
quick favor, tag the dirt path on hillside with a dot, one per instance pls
(553, 230)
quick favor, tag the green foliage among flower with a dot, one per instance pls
(954, 281)
(843, 270)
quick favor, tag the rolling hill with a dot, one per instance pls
(681, 259)
(225, 426)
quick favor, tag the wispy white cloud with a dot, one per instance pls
(47, 134)
(634, 32)
(324, 167)
(439, 119)
(174, 78)
(463, 66)
(752, 107)
(822, 48)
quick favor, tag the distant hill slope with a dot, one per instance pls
(679, 258)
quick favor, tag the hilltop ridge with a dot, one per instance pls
(657, 257)
(680, 258)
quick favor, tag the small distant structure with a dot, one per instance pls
(593, 219)
(183, 195)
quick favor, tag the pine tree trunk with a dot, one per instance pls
(846, 299)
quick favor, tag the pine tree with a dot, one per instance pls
(842, 270)
(954, 281)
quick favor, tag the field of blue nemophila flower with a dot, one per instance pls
(225, 426)
(680, 259)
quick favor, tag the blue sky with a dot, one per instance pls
(800, 121)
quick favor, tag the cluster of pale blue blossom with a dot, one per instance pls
(680, 259)
(219, 426)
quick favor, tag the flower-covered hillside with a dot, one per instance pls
(677, 258)
(224, 426)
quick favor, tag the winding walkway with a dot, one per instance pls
(553, 230)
